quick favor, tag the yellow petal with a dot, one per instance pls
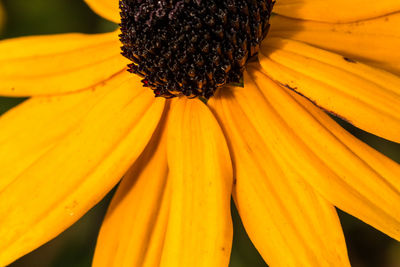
(345, 171)
(108, 9)
(46, 65)
(365, 96)
(133, 231)
(288, 222)
(76, 169)
(335, 10)
(199, 231)
(32, 128)
(353, 40)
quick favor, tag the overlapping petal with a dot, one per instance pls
(375, 41)
(108, 9)
(365, 96)
(74, 165)
(348, 173)
(54, 64)
(288, 222)
(133, 231)
(35, 126)
(335, 10)
(291, 160)
(199, 231)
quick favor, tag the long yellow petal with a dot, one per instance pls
(46, 65)
(108, 9)
(199, 231)
(133, 231)
(353, 177)
(353, 40)
(335, 10)
(288, 222)
(32, 128)
(367, 97)
(58, 186)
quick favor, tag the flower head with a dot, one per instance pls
(191, 48)
(269, 143)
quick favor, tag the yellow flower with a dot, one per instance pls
(89, 122)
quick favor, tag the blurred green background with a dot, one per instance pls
(74, 247)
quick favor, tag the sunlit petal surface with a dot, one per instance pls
(108, 9)
(139, 211)
(58, 181)
(335, 10)
(89, 123)
(374, 41)
(53, 64)
(199, 231)
(289, 223)
(345, 171)
(365, 96)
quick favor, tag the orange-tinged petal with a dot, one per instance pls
(76, 171)
(53, 64)
(335, 10)
(346, 172)
(108, 9)
(288, 222)
(199, 231)
(133, 230)
(365, 96)
(353, 40)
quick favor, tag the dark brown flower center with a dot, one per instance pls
(191, 47)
